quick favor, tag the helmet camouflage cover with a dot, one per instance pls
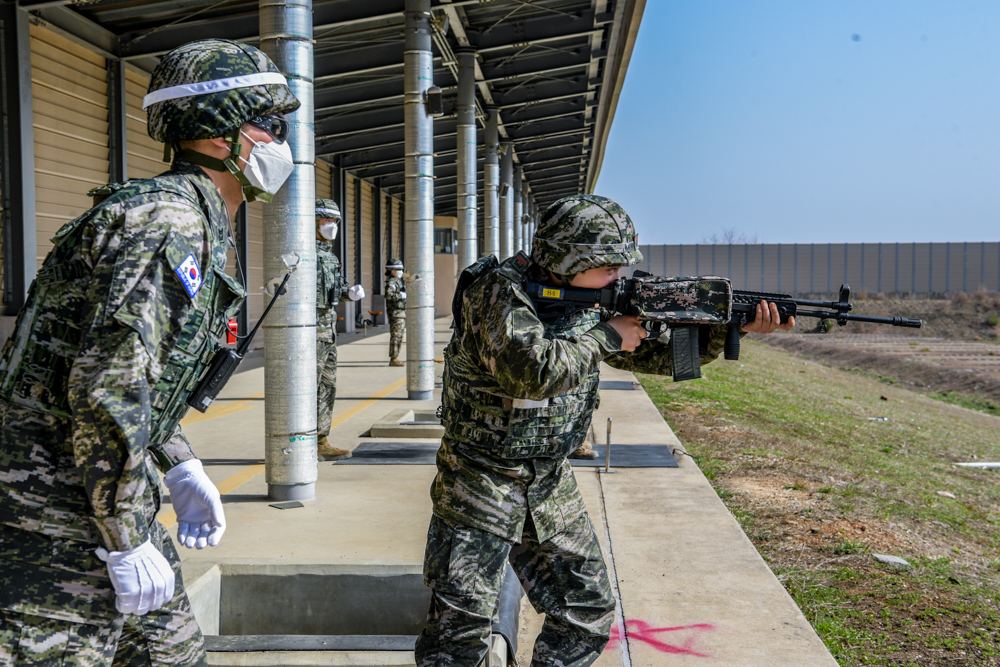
(327, 209)
(583, 232)
(394, 264)
(210, 87)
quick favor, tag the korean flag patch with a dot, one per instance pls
(190, 275)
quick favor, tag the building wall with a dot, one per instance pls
(906, 268)
(70, 105)
(145, 156)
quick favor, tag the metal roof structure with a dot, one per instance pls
(553, 68)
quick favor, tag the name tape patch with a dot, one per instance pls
(190, 275)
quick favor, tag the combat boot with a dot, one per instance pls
(584, 451)
(396, 362)
(326, 452)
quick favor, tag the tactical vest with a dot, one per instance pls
(474, 410)
(37, 360)
(329, 288)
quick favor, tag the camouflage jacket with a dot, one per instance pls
(395, 302)
(504, 345)
(331, 289)
(125, 280)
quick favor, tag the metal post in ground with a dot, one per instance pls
(418, 140)
(286, 35)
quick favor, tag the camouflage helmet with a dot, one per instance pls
(582, 232)
(211, 87)
(394, 264)
(327, 209)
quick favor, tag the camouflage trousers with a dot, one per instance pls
(565, 578)
(397, 327)
(168, 636)
(326, 385)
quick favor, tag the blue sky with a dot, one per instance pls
(810, 122)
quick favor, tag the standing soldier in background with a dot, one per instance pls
(124, 317)
(520, 387)
(395, 305)
(330, 290)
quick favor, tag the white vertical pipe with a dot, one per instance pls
(507, 201)
(418, 76)
(467, 242)
(290, 240)
(491, 184)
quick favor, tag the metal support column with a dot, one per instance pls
(525, 213)
(358, 255)
(117, 138)
(17, 158)
(418, 76)
(378, 242)
(518, 211)
(242, 257)
(467, 207)
(491, 183)
(507, 201)
(286, 35)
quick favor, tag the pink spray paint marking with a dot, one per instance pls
(641, 631)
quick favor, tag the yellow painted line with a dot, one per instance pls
(440, 359)
(219, 410)
(169, 518)
(367, 403)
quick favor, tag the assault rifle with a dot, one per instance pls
(684, 305)
(225, 362)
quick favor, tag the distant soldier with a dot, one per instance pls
(121, 322)
(395, 305)
(520, 390)
(330, 290)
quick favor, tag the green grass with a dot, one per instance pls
(810, 427)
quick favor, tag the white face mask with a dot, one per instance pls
(269, 165)
(328, 230)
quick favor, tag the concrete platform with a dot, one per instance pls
(692, 588)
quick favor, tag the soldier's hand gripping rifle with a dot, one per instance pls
(225, 362)
(684, 305)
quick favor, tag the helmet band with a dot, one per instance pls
(592, 248)
(216, 86)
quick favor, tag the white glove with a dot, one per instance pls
(200, 519)
(402, 295)
(142, 577)
(356, 292)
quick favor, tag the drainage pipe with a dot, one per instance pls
(418, 140)
(286, 31)
(491, 182)
(467, 207)
(507, 201)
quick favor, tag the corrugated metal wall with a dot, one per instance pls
(910, 268)
(255, 264)
(145, 156)
(367, 238)
(347, 227)
(70, 98)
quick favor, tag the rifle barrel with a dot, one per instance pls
(833, 315)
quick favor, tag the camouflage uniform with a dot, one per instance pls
(122, 319)
(330, 290)
(395, 305)
(520, 388)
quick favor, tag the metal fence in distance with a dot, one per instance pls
(913, 269)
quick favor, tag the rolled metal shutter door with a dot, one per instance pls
(70, 98)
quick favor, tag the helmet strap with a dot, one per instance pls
(230, 164)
